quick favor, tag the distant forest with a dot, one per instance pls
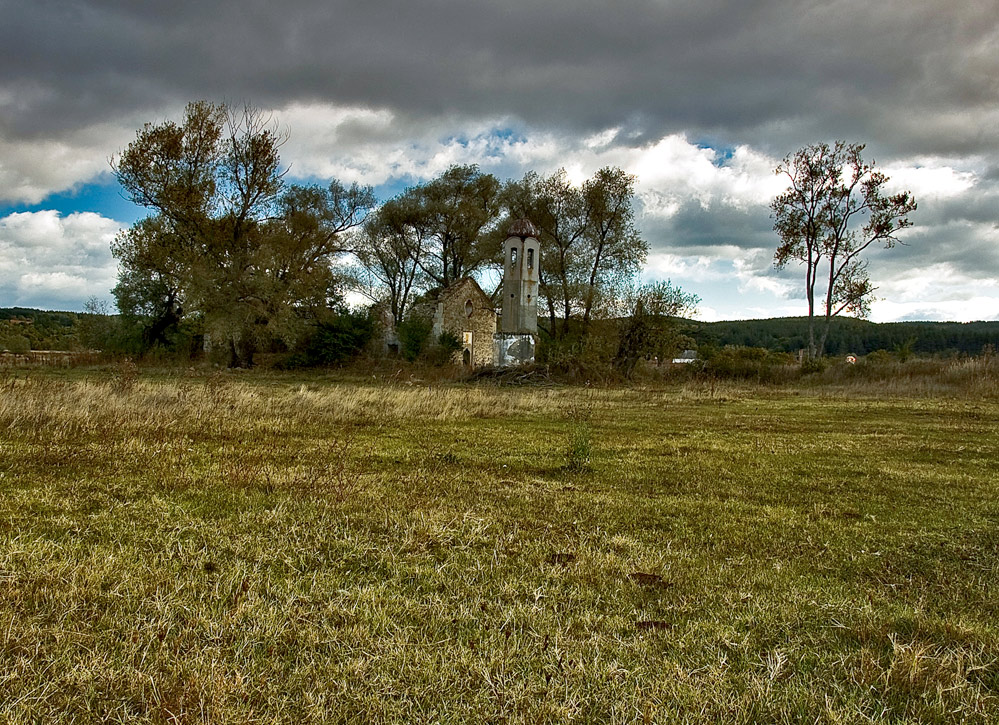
(849, 335)
(23, 328)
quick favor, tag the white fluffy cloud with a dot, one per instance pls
(368, 146)
(32, 169)
(51, 261)
(375, 146)
(704, 210)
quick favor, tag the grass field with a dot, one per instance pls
(262, 548)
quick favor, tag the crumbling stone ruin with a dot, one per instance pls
(464, 310)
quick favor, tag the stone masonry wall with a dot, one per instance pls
(475, 331)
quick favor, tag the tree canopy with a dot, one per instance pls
(590, 246)
(227, 240)
(443, 226)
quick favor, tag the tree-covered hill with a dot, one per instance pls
(852, 336)
(23, 329)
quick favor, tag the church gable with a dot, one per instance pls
(465, 311)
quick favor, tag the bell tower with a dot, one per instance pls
(520, 279)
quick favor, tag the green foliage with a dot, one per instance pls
(98, 329)
(448, 342)
(413, 335)
(878, 357)
(226, 240)
(42, 329)
(904, 350)
(747, 363)
(389, 254)
(813, 365)
(442, 352)
(339, 339)
(12, 342)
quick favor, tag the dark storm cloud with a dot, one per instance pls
(698, 229)
(962, 247)
(909, 76)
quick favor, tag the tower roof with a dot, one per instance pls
(522, 228)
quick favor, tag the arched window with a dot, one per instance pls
(513, 256)
(469, 308)
(530, 259)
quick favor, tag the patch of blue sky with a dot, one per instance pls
(509, 135)
(383, 192)
(723, 152)
(492, 145)
(104, 197)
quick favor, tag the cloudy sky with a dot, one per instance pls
(698, 98)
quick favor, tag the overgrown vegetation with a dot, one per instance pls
(288, 548)
(336, 340)
(26, 329)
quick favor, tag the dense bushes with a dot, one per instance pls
(334, 341)
(413, 334)
(747, 363)
(12, 342)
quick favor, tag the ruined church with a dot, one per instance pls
(464, 310)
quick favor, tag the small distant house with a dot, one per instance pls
(687, 356)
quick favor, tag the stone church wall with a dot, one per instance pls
(465, 311)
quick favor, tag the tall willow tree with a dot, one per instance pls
(590, 247)
(226, 239)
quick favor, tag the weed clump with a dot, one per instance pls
(579, 451)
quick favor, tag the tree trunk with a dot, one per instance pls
(810, 277)
(240, 352)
